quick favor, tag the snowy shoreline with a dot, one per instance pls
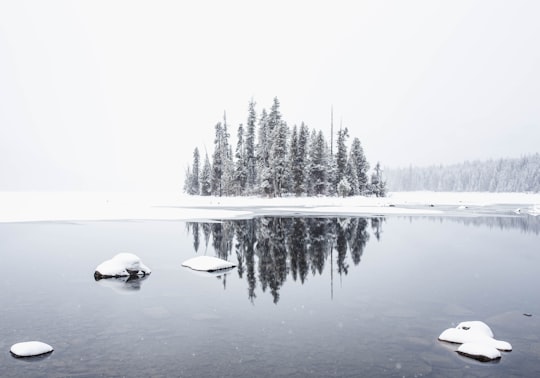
(103, 206)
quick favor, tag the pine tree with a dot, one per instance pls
(278, 159)
(361, 166)
(341, 155)
(240, 173)
(264, 173)
(378, 186)
(300, 166)
(227, 161)
(350, 175)
(296, 184)
(206, 178)
(217, 162)
(194, 180)
(251, 176)
(318, 164)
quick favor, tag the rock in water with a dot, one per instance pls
(30, 349)
(479, 352)
(477, 341)
(122, 265)
(208, 263)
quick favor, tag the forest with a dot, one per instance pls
(272, 159)
(502, 175)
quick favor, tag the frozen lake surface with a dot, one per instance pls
(311, 296)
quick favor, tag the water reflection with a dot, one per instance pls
(525, 223)
(123, 285)
(269, 249)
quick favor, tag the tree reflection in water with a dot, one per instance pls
(268, 249)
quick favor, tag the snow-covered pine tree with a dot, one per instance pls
(251, 172)
(187, 180)
(264, 174)
(206, 178)
(194, 181)
(318, 164)
(278, 159)
(378, 186)
(341, 155)
(227, 159)
(362, 166)
(217, 162)
(350, 175)
(300, 171)
(240, 172)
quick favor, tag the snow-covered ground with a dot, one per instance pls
(71, 206)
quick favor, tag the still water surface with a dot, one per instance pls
(310, 297)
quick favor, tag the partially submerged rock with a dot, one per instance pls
(30, 349)
(208, 264)
(479, 352)
(477, 341)
(122, 265)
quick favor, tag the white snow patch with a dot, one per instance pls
(476, 326)
(122, 265)
(30, 348)
(479, 351)
(208, 263)
(90, 206)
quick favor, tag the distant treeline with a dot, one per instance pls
(273, 160)
(502, 175)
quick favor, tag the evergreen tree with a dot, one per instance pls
(278, 159)
(378, 186)
(296, 176)
(240, 173)
(217, 161)
(361, 165)
(300, 161)
(318, 165)
(206, 178)
(350, 175)
(341, 155)
(227, 161)
(194, 181)
(251, 176)
(264, 173)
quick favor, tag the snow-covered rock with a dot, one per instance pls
(122, 265)
(479, 351)
(477, 326)
(208, 263)
(30, 348)
(477, 340)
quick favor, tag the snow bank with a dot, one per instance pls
(30, 349)
(477, 340)
(208, 264)
(84, 206)
(122, 265)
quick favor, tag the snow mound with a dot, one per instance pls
(122, 265)
(30, 349)
(477, 326)
(477, 340)
(208, 263)
(479, 352)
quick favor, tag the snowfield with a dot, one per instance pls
(95, 206)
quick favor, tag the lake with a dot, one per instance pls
(312, 296)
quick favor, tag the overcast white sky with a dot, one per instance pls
(115, 95)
